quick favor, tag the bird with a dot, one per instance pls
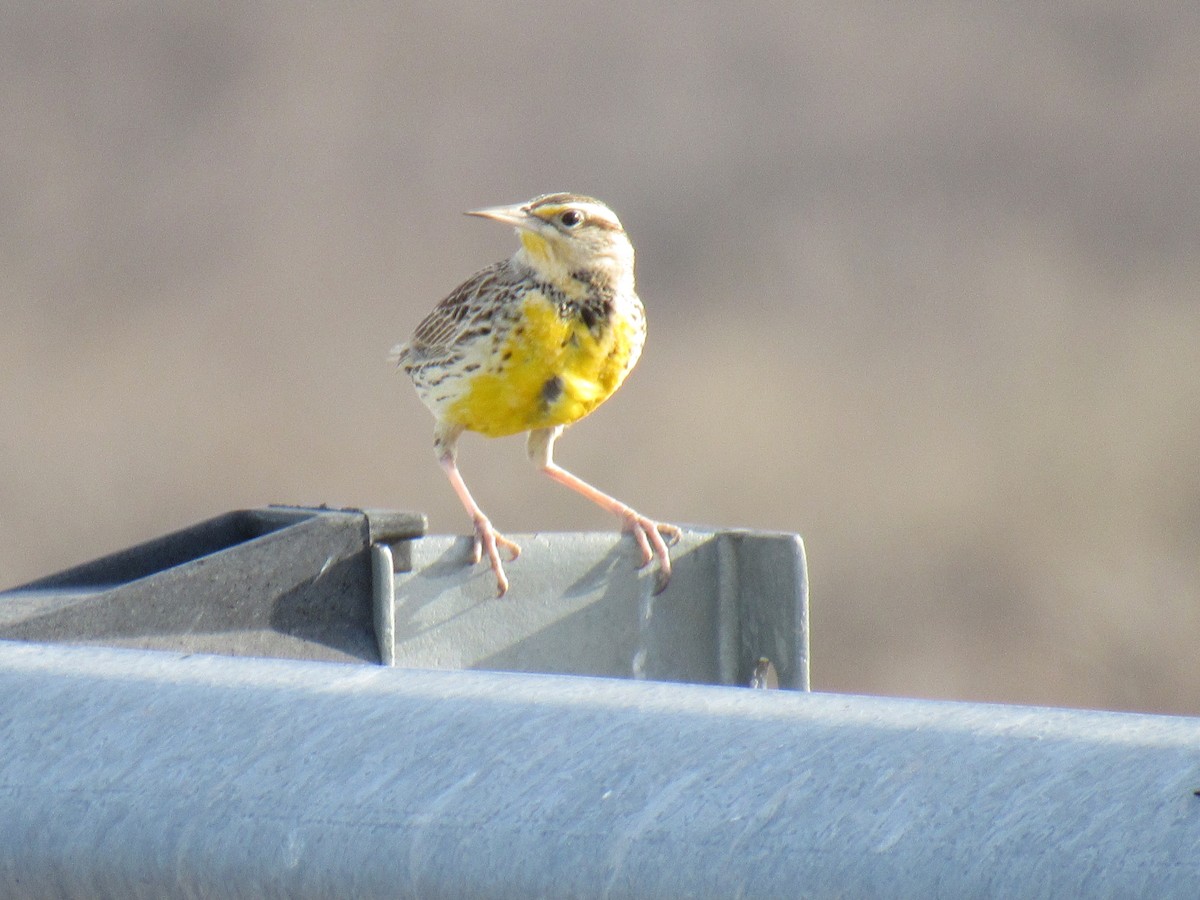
(533, 344)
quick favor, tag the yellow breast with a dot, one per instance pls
(548, 371)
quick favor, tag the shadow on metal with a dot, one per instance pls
(280, 581)
(578, 605)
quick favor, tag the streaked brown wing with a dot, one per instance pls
(441, 329)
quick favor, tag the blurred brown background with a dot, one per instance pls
(922, 285)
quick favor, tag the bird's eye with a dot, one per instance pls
(571, 218)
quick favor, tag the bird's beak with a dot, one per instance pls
(517, 216)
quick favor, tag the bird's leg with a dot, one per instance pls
(653, 538)
(487, 539)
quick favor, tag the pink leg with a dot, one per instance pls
(648, 533)
(487, 539)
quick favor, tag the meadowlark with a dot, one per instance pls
(535, 343)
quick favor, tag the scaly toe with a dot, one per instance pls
(512, 548)
(649, 536)
(488, 541)
(671, 532)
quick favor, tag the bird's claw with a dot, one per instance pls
(488, 540)
(653, 539)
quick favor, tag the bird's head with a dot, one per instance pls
(562, 234)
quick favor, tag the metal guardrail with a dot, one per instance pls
(370, 586)
(146, 768)
(145, 774)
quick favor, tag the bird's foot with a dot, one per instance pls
(653, 539)
(488, 540)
